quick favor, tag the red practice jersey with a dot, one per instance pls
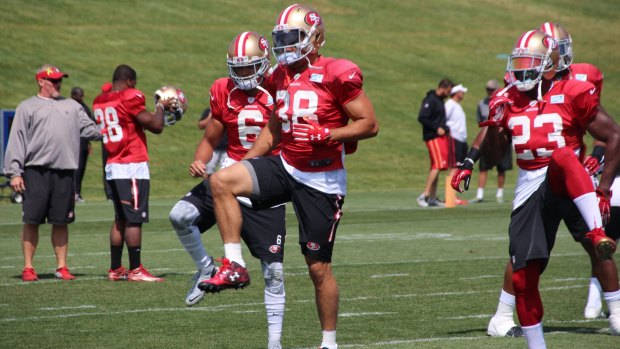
(586, 72)
(319, 93)
(539, 128)
(244, 120)
(124, 139)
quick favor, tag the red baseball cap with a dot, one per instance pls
(106, 87)
(48, 71)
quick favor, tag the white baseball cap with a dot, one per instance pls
(458, 88)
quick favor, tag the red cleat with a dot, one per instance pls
(141, 274)
(64, 274)
(603, 244)
(461, 202)
(229, 275)
(118, 274)
(28, 274)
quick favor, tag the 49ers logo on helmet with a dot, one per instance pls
(313, 18)
(313, 246)
(181, 96)
(550, 42)
(263, 44)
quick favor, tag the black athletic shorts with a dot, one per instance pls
(131, 199)
(460, 151)
(504, 165)
(612, 229)
(49, 196)
(318, 213)
(534, 225)
(264, 232)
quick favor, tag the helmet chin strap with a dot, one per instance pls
(228, 98)
(259, 87)
(540, 99)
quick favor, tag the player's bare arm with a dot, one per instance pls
(153, 122)
(364, 123)
(605, 129)
(268, 138)
(204, 151)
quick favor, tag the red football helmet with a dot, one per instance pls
(565, 43)
(534, 56)
(248, 60)
(177, 105)
(299, 31)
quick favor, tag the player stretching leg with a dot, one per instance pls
(552, 184)
(240, 108)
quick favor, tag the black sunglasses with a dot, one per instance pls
(54, 81)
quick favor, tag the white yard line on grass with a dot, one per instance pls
(228, 306)
(480, 277)
(66, 308)
(366, 314)
(102, 253)
(376, 276)
(431, 339)
(303, 267)
(479, 316)
(46, 281)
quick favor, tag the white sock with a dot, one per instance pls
(233, 253)
(500, 192)
(506, 306)
(274, 305)
(329, 340)
(612, 297)
(594, 294)
(480, 194)
(193, 245)
(588, 207)
(534, 336)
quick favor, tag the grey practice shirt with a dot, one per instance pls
(46, 132)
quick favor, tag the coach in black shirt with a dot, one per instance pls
(432, 116)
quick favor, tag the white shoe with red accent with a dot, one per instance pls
(195, 294)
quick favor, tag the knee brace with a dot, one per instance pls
(273, 273)
(182, 216)
(529, 305)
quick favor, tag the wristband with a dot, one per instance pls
(473, 155)
(598, 152)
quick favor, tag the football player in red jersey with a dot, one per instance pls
(586, 72)
(240, 108)
(121, 113)
(546, 119)
(503, 321)
(320, 105)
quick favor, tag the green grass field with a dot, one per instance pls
(408, 277)
(403, 47)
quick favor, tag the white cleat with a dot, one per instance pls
(614, 325)
(274, 345)
(499, 328)
(593, 312)
(422, 200)
(195, 295)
